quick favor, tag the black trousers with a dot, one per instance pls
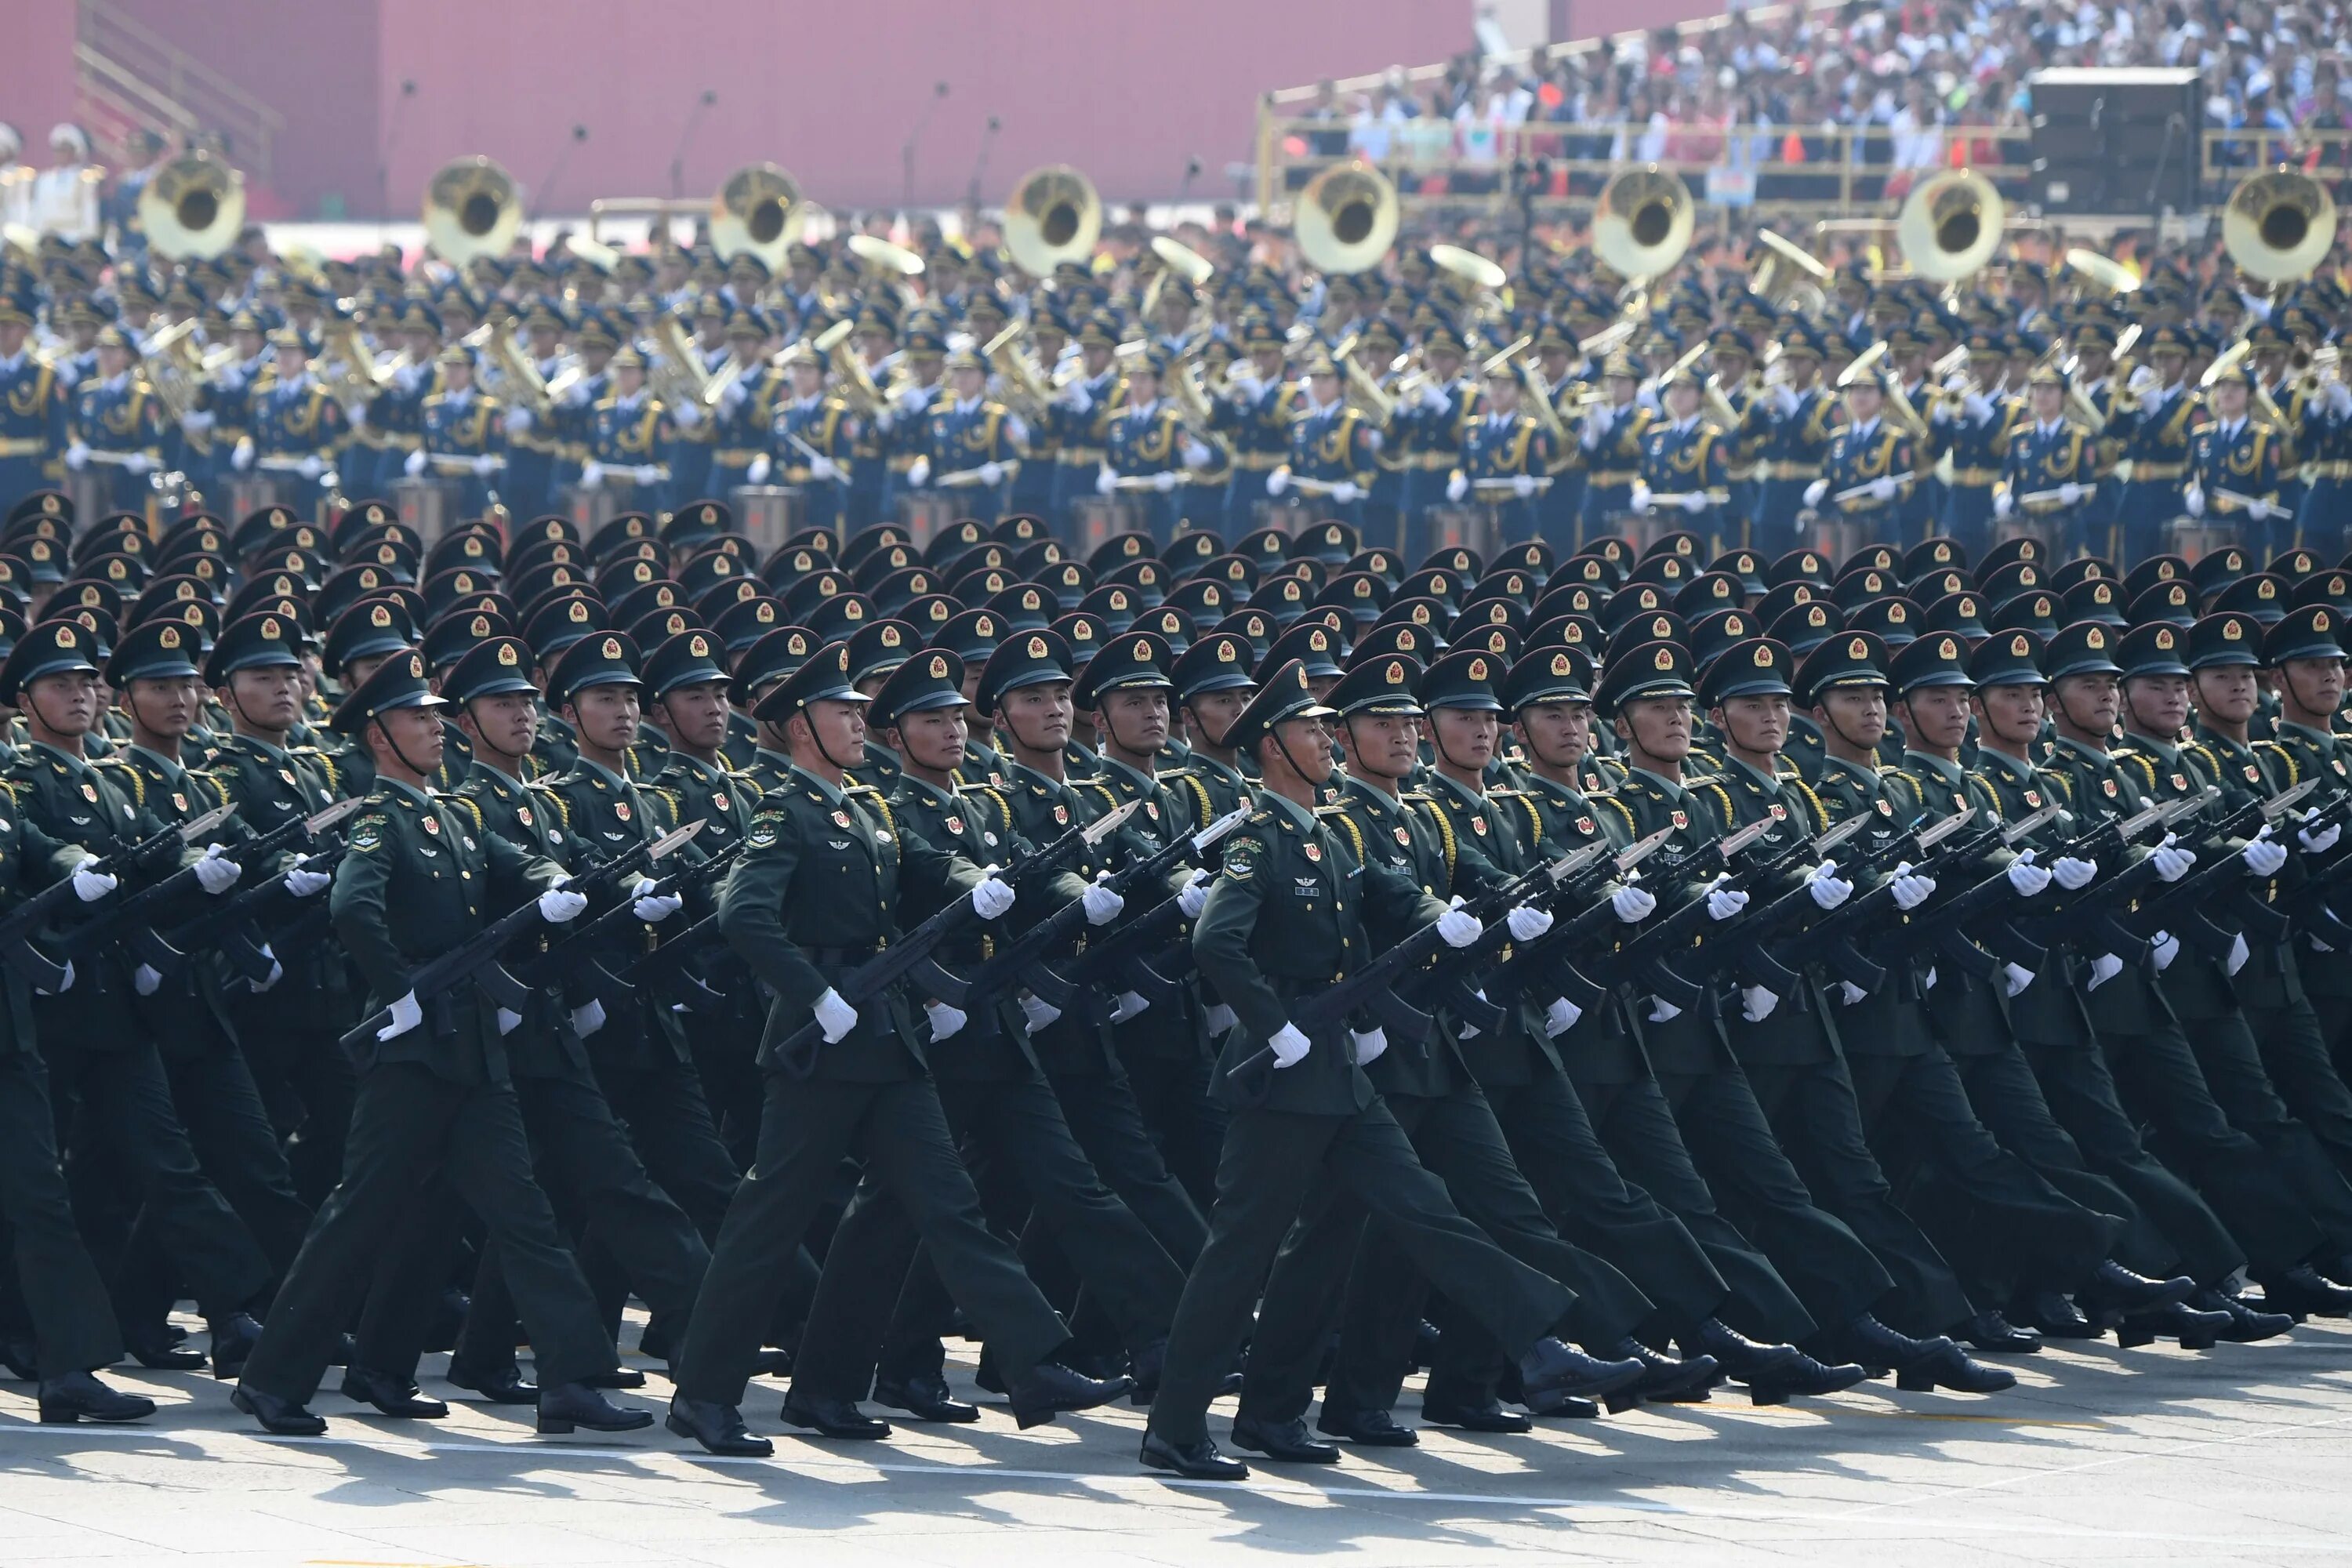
(881, 1301)
(408, 1126)
(2237, 1070)
(57, 1285)
(1171, 1095)
(2296, 1054)
(1273, 1161)
(899, 1131)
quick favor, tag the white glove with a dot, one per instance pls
(1662, 1011)
(1850, 994)
(2001, 503)
(731, 397)
(1102, 904)
(945, 1020)
(215, 873)
(2239, 953)
(1075, 398)
(2069, 493)
(2164, 947)
(918, 472)
(991, 473)
(1457, 486)
(302, 882)
(1911, 892)
(835, 1018)
(592, 475)
(311, 467)
(1368, 1045)
(1523, 485)
(1784, 401)
(145, 980)
(138, 462)
(686, 415)
(1105, 481)
(406, 1013)
(2104, 968)
(560, 904)
(1165, 481)
(518, 421)
(1815, 491)
(1692, 500)
(2143, 380)
(509, 1021)
(1127, 1004)
(487, 464)
(1277, 481)
(1194, 895)
(357, 414)
(91, 885)
(2172, 864)
(1631, 904)
(645, 473)
(1434, 399)
(2074, 875)
(1756, 1003)
(1039, 1012)
(414, 464)
(1528, 922)
(2014, 979)
(195, 421)
(589, 1018)
(2264, 855)
(2322, 841)
(1828, 889)
(1288, 1046)
(1641, 496)
(1347, 491)
(1723, 903)
(2340, 399)
(654, 909)
(240, 458)
(2193, 499)
(993, 897)
(1883, 487)
(823, 468)
(1458, 927)
(1928, 981)
(2261, 511)
(1560, 1017)
(77, 456)
(757, 471)
(1218, 1018)
(1979, 406)
(1196, 455)
(2026, 878)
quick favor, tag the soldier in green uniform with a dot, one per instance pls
(434, 1091)
(1285, 918)
(1213, 686)
(775, 655)
(97, 1048)
(813, 896)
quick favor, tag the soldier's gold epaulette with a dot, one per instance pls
(1192, 781)
(2065, 785)
(2206, 756)
(2146, 764)
(668, 797)
(113, 765)
(1535, 813)
(473, 807)
(1723, 797)
(325, 765)
(1340, 813)
(1821, 813)
(874, 796)
(2294, 773)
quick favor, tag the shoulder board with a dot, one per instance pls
(1260, 819)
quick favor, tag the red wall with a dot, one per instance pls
(36, 71)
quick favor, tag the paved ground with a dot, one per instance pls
(2100, 1455)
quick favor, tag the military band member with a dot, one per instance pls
(2233, 468)
(1146, 448)
(1790, 425)
(1255, 418)
(1612, 436)
(813, 439)
(629, 439)
(1971, 423)
(462, 436)
(1683, 465)
(1082, 411)
(1505, 457)
(739, 425)
(297, 427)
(2050, 472)
(34, 411)
(972, 446)
(2152, 417)
(117, 423)
(535, 435)
(1334, 448)
(1869, 465)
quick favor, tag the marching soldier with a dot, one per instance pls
(2233, 468)
(2050, 471)
(973, 444)
(629, 435)
(1869, 465)
(1506, 458)
(297, 427)
(462, 435)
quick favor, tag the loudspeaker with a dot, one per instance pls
(2114, 140)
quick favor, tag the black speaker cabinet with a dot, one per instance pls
(2116, 141)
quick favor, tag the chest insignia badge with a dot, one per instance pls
(2033, 798)
(89, 792)
(1314, 851)
(841, 819)
(1680, 818)
(621, 809)
(522, 815)
(1062, 815)
(1403, 835)
(432, 825)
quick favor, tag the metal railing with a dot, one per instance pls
(166, 74)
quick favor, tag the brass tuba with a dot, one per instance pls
(2277, 225)
(472, 209)
(1950, 225)
(1346, 218)
(755, 213)
(1642, 224)
(675, 368)
(1053, 216)
(192, 207)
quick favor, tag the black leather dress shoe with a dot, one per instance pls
(718, 1427)
(619, 1378)
(2116, 1288)
(2195, 1331)
(1875, 1345)
(1367, 1428)
(498, 1385)
(1741, 1359)
(564, 1405)
(829, 1418)
(22, 1359)
(279, 1418)
(1804, 1376)
(1150, 1363)
(1487, 1416)
(1051, 1389)
(2247, 1324)
(924, 1398)
(2307, 1292)
(157, 1354)
(392, 1395)
(1663, 1379)
(233, 1338)
(2051, 1315)
(1551, 1369)
(769, 1362)
(1288, 1441)
(81, 1396)
(1953, 1368)
(1992, 1332)
(1196, 1461)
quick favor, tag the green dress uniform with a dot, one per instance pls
(1289, 914)
(419, 879)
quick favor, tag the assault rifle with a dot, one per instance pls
(149, 858)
